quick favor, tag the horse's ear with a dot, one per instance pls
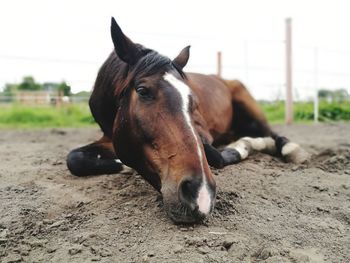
(182, 59)
(124, 47)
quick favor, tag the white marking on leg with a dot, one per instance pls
(118, 161)
(242, 148)
(262, 144)
(257, 144)
(204, 198)
(291, 151)
(245, 145)
(270, 145)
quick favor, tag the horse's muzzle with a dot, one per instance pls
(191, 203)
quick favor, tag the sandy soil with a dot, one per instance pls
(267, 210)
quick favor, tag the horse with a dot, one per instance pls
(171, 126)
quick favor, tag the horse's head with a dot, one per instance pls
(154, 132)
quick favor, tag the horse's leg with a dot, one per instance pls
(94, 159)
(251, 128)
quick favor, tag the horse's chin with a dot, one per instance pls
(181, 214)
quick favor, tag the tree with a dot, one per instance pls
(10, 88)
(28, 84)
(334, 95)
(340, 95)
(324, 93)
(64, 88)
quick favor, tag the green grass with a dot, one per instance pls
(25, 116)
(304, 111)
(78, 115)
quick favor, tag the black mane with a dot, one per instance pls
(153, 63)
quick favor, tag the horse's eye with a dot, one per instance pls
(144, 92)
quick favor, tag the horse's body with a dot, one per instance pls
(168, 127)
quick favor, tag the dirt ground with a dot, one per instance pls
(266, 211)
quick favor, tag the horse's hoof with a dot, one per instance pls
(75, 163)
(293, 153)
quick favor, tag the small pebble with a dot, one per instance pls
(104, 252)
(4, 233)
(75, 250)
(57, 224)
(94, 249)
(227, 244)
(24, 253)
(178, 249)
(37, 243)
(203, 250)
(3, 240)
(151, 253)
(47, 221)
(51, 249)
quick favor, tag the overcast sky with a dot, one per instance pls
(68, 40)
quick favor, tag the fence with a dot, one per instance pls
(41, 98)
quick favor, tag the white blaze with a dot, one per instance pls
(203, 199)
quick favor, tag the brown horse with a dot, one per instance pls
(165, 124)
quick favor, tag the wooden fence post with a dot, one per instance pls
(289, 92)
(219, 64)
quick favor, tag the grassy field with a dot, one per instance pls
(304, 112)
(77, 115)
(24, 116)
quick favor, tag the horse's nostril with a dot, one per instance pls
(188, 192)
